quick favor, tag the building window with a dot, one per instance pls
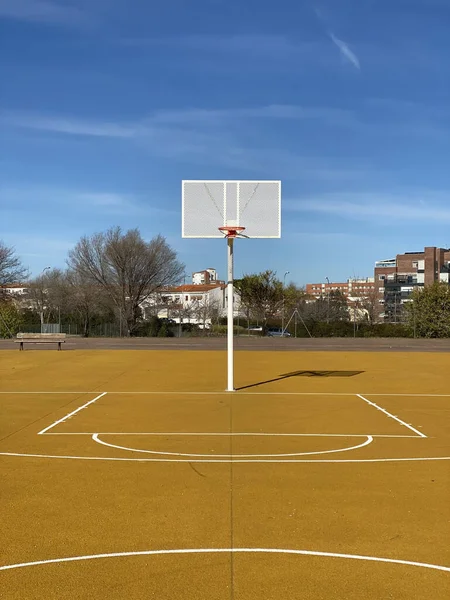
(381, 277)
(415, 264)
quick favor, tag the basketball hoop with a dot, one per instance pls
(231, 231)
(205, 203)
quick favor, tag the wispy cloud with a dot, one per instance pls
(428, 207)
(178, 117)
(345, 51)
(19, 198)
(189, 124)
(263, 52)
(272, 45)
(343, 48)
(43, 11)
(270, 112)
(67, 125)
(213, 137)
(28, 244)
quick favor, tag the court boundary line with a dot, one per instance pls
(232, 457)
(94, 434)
(243, 434)
(230, 551)
(174, 460)
(59, 421)
(241, 393)
(383, 410)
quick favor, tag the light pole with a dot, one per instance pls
(42, 300)
(328, 301)
(282, 314)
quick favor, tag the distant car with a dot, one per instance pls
(277, 332)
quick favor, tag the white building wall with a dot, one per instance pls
(192, 303)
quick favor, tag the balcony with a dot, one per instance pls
(397, 280)
(386, 264)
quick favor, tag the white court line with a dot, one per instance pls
(368, 441)
(394, 561)
(72, 413)
(419, 433)
(242, 393)
(176, 460)
(414, 395)
(195, 434)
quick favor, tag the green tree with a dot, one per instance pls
(261, 295)
(428, 312)
(294, 298)
(10, 319)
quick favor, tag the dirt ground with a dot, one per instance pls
(134, 475)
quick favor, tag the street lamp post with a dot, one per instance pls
(42, 301)
(328, 301)
(282, 314)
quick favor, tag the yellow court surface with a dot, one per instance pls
(134, 474)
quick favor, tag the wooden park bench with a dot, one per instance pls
(40, 338)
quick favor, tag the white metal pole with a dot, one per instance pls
(230, 319)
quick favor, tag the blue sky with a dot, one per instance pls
(105, 106)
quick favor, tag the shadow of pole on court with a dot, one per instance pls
(304, 373)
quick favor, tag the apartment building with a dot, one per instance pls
(204, 277)
(352, 289)
(396, 278)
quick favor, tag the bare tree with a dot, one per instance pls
(36, 295)
(87, 300)
(128, 268)
(370, 304)
(11, 268)
(206, 311)
(49, 295)
(330, 308)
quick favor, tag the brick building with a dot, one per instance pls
(357, 292)
(396, 278)
(352, 289)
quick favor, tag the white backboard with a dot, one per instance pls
(208, 205)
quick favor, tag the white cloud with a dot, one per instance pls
(42, 11)
(203, 136)
(67, 125)
(155, 123)
(268, 47)
(271, 111)
(345, 51)
(430, 207)
(17, 199)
